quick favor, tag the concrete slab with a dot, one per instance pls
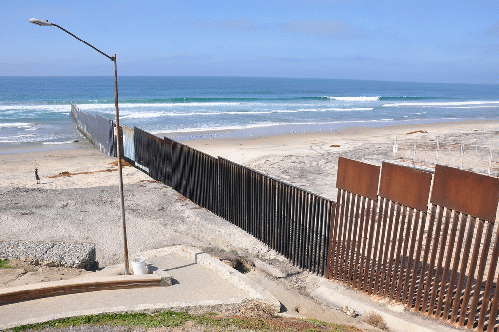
(396, 317)
(198, 280)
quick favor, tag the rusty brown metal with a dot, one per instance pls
(493, 311)
(331, 257)
(405, 185)
(389, 248)
(364, 261)
(397, 248)
(426, 254)
(488, 287)
(462, 270)
(369, 260)
(467, 192)
(378, 249)
(431, 263)
(450, 251)
(471, 274)
(358, 177)
(350, 247)
(461, 222)
(403, 255)
(411, 272)
(479, 278)
(355, 268)
(397, 260)
(346, 234)
(439, 262)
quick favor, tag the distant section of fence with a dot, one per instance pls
(428, 152)
(385, 235)
(97, 129)
(439, 260)
(128, 143)
(290, 220)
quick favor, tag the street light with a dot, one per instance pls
(118, 143)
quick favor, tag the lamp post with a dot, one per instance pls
(118, 142)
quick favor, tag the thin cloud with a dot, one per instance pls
(493, 30)
(228, 25)
(324, 28)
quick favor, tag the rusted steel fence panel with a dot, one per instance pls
(442, 263)
(406, 190)
(358, 177)
(465, 279)
(471, 193)
(353, 223)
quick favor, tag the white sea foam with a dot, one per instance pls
(355, 98)
(163, 114)
(263, 125)
(194, 113)
(248, 112)
(222, 128)
(471, 107)
(84, 107)
(58, 143)
(144, 115)
(22, 135)
(349, 109)
(16, 125)
(41, 107)
(478, 103)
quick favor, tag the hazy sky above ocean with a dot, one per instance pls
(429, 41)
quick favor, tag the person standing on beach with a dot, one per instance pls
(36, 176)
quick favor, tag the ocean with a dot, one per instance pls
(37, 109)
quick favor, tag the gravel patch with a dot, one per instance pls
(74, 255)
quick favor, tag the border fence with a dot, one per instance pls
(438, 259)
(97, 129)
(385, 235)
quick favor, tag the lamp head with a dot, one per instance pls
(40, 22)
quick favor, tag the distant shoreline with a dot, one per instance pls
(274, 132)
(311, 128)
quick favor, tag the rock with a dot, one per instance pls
(350, 312)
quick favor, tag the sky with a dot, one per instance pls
(425, 41)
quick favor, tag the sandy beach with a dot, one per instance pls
(309, 160)
(78, 199)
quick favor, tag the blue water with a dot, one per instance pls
(37, 109)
